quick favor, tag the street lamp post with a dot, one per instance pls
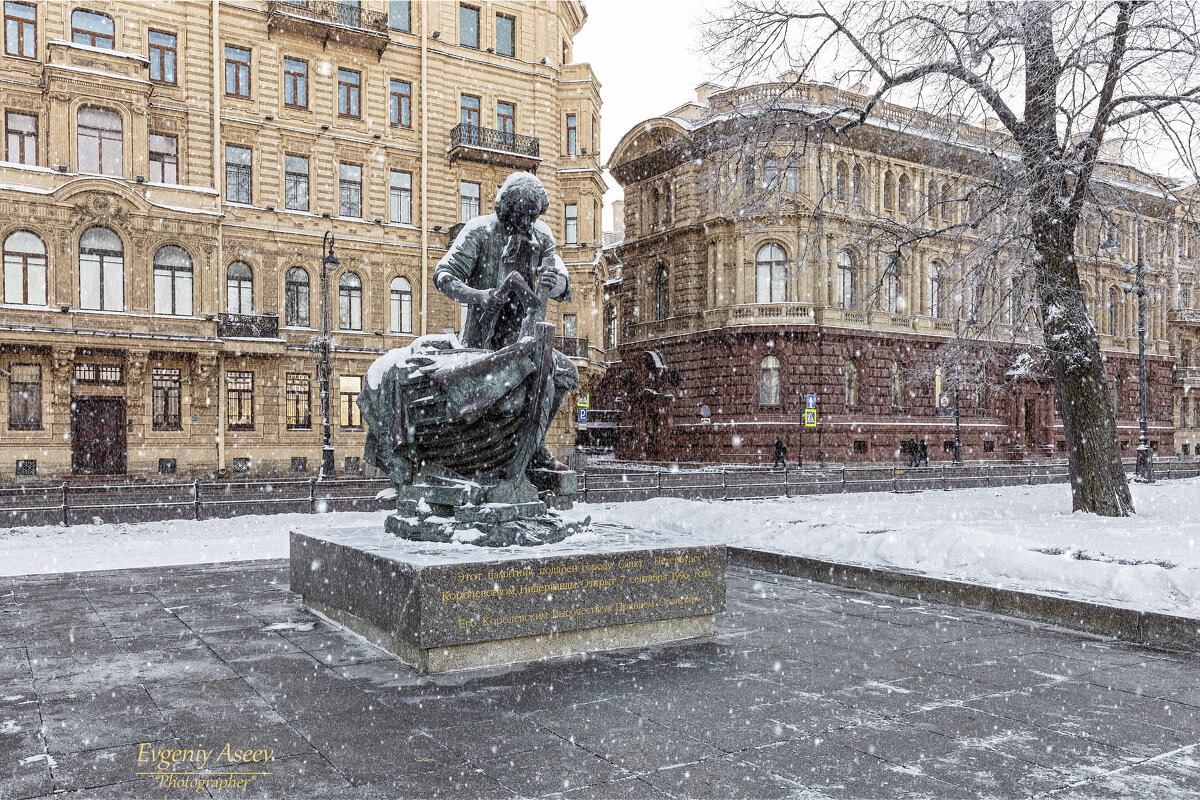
(329, 263)
(957, 431)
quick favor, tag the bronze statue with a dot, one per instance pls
(458, 423)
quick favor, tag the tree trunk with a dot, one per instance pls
(1098, 480)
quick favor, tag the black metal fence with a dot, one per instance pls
(75, 504)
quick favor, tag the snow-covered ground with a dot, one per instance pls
(1021, 537)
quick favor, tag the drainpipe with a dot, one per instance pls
(219, 185)
(424, 170)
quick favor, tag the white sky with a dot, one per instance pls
(643, 54)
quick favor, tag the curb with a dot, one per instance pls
(1148, 628)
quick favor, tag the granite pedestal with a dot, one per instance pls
(446, 608)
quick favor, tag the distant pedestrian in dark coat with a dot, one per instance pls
(924, 453)
(780, 453)
(914, 452)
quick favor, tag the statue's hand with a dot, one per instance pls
(486, 299)
(548, 281)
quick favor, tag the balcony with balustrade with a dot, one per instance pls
(327, 20)
(513, 150)
(248, 326)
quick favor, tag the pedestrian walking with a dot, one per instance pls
(914, 452)
(924, 453)
(780, 453)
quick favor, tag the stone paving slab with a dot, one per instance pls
(808, 691)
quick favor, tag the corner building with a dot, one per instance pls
(729, 312)
(170, 170)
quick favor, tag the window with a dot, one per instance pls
(1184, 296)
(24, 397)
(506, 35)
(662, 292)
(902, 193)
(20, 30)
(771, 273)
(610, 327)
(350, 190)
(506, 122)
(295, 183)
(891, 286)
(166, 400)
(295, 298)
(860, 447)
(468, 110)
(572, 134)
(164, 158)
(239, 289)
(99, 131)
(298, 402)
(769, 391)
(349, 84)
(24, 269)
(167, 466)
(348, 389)
(90, 28)
(104, 374)
(21, 138)
(162, 56)
(400, 104)
(468, 26)
(655, 207)
(237, 174)
(299, 464)
(468, 201)
(1196, 413)
(237, 71)
(241, 465)
(401, 300)
(771, 174)
(791, 179)
(858, 188)
(897, 385)
(851, 383)
(845, 279)
(1114, 305)
(400, 15)
(889, 203)
(947, 445)
(936, 290)
(239, 387)
(101, 271)
(349, 302)
(841, 188)
(401, 197)
(172, 281)
(295, 83)
(989, 445)
(571, 235)
(349, 12)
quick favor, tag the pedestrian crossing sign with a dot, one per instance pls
(810, 418)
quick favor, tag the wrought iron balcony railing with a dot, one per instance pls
(350, 24)
(572, 346)
(473, 136)
(248, 326)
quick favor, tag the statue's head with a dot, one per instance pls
(520, 201)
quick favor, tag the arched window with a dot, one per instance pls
(295, 298)
(947, 211)
(858, 187)
(903, 190)
(771, 270)
(897, 385)
(401, 305)
(840, 182)
(655, 203)
(172, 281)
(662, 292)
(891, 285)
(24, 269)
(851, 383)
(668, 201)
(101, 271)
(936, 290)
(845, 279)
(1114, 311)
(239, 289)
(92, 29)
(889, 202)
(610, 327)
(934, 209)
(769, 392)
(98, 131)
(349, 302)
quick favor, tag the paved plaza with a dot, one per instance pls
(807, 691)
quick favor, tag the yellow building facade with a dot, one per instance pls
(170, 172)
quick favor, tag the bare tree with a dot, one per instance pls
(1055, 80)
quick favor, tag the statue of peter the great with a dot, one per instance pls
(476, 271)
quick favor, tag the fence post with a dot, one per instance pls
(895, 479)
(658, 483)
(1031, 473)
(724, 486)
(987, 472)
(583, 484)
(843, 480)
(196, 497)
(945, 485)
(64, 499)
(786, 492)
(312, 495)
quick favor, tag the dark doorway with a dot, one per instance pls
(1030, 417)
(98, 435)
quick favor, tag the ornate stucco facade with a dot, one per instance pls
(741, 303)
(170, 170)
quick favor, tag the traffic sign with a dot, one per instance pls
(705, 411)
(944, 400)
(810, 401)
(810, 418)
(584, 401)
(583, 415)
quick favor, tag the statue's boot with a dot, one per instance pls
(544, 459)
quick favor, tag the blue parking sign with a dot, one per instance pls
(583, 415)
